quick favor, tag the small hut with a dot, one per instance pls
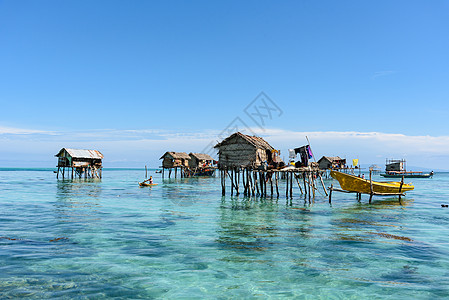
(200, 160)
(174, 160)
(242, 151)
(331, 162)
(81, 162)
(200, 164)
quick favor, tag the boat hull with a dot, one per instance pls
(147, 184)
(200, 172)
(406, 175)
(356, 184)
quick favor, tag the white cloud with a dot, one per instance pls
(20, 131)
(382, 73)
(143, 145)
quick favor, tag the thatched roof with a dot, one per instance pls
(256, 141)
(81, 153)
(175, 155)
(331, 158)
(201, 156)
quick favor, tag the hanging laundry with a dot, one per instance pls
(309, 152)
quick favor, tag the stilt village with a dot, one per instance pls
(251, 166)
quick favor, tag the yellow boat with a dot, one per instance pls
(147, 184)
(353, 183)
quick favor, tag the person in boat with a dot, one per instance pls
(149, 180)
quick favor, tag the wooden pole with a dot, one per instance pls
(291, 184)
(304, 179)
(248, 182)
(400, 188)
(146, 173)
(308, 183)
(330, 193)
(236, 187)
(232, 182)
(256, 183)
(322, 183)
(286, 184)
(277, 183)
(223, 190)
(251, 181)
(271, 184)
(370, 185)
(313, 184)
(299, 185)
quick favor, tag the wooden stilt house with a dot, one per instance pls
(200, 164)
(244, 151)
(174, 160)
(331, 162)
(80, 162)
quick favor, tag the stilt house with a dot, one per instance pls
(200, 160)
(175, 159)
(331, 162)
(241, 150)
(80, 161)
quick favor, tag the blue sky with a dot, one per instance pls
(136, 78)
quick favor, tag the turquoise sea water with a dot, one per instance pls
(181, 239)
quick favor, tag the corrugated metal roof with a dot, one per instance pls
(82, 153)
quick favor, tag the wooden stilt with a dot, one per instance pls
(277, 183)
(237, 180)
(248, 182)
(313, 184)
(322, 183)
(299, 185)
(400, 188)
(370, 185)
(330, 193)
(232, 182)
(256, 183)
(291, 184)
(304, 180)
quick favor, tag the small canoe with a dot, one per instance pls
(147, 184)
(353, 183)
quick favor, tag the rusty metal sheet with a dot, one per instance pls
(82, 153)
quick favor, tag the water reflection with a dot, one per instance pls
(187, 191)
(77, 203)
(380, 221)
(247, 225)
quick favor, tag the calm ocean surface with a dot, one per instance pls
(182, 239)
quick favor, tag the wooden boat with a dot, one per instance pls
(405, 174)
(147, 184)
(200, 172)
(356, 184)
